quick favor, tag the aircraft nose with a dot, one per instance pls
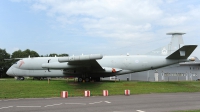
(9, 72)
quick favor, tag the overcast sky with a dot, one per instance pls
(108, 27)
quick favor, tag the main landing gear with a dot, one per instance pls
(88, 79)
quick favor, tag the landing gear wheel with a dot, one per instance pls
(80, 79)
(20, 78)
(87, 79)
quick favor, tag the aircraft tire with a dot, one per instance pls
(80, 79)
(20, 78)
(87, 79)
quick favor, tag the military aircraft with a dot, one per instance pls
(94, 66)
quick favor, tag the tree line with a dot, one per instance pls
(6, 59)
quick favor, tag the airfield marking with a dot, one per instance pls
(95, 102)
(11, 99)
(28, 106)
(6, 107)
(76, 97)
(34, 98)
(75, 103)
(107, 101)
(53, 105)
(48, 98)
(140, 111)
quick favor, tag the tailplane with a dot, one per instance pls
(183, 53)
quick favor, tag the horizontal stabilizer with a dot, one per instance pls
(183, 53)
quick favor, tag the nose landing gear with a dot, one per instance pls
(20, 78)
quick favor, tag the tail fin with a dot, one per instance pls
(182, 53)
(175, 44)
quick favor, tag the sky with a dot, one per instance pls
(108, 27)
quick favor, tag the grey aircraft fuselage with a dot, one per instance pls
(126, 64)
(88, 66)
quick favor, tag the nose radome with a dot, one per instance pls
(9, 72)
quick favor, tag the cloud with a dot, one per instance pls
(105, 18)
(123, 21)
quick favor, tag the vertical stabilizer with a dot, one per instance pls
(175, 44)
(176, 41)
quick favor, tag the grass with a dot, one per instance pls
(37, 89)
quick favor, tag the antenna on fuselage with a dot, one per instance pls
(48, 68)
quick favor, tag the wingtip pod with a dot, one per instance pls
(80, 58)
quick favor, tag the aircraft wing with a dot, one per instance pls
(80, 61)
(88, 63)
(84, 60)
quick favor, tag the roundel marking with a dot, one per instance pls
(164, 51)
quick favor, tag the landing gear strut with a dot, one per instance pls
(96, 79)
(20, 78)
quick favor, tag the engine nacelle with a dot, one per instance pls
(109, 70)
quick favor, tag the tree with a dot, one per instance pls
(58, 55)
(53, 55)
(4, 65)
(24, 54)
(63, 55)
